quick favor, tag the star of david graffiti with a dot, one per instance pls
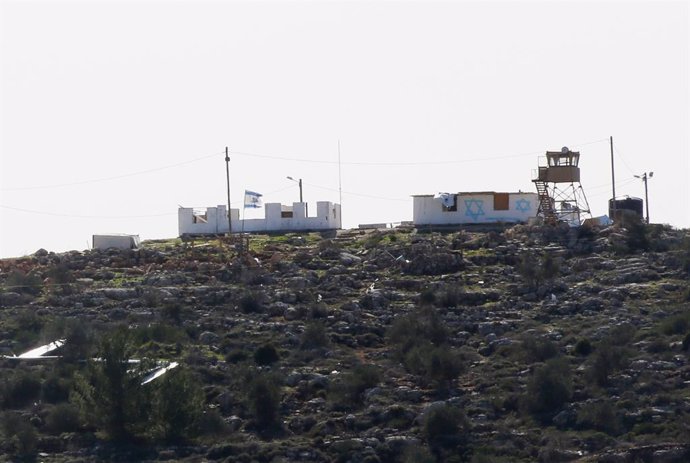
(523, 205)
(474, 208)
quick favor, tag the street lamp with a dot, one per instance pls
(646, 196)
(299, 182)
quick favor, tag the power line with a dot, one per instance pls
(357, 194)
(620, 155)
(401, 164)
(77, 216)
(115, 177)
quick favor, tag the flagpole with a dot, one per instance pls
(340, 186)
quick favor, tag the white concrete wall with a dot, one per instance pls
(115, 241)
(327, 218)
(474, 208)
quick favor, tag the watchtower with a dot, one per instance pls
(561, 197)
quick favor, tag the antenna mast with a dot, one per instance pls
(340, 185)
(227, 176)
(613, 182)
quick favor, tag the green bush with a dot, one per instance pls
(676, 324)
(538, 349)
(63, 417)
(536, 270)
(266, 355)
(600, 416)
(444, 426)
(109, 396)
(439, 364)
(415, 454)
(419, 327)
(19, 281)
(177, 407)
(583, 347)
(606, 360)
(263, 396)
(251, 302)
(349, 390)
(314, 336)
(20, 435)
(549, 387)
(19, 389)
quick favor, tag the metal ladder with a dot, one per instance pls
(545, 204)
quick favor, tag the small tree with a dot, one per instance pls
(263, 394)
(109, 397)
(549, 387)
(177, 406)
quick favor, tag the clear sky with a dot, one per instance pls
(113, 113)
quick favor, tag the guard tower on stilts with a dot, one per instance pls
(561, 197)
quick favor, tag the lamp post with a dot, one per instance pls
(299, 182)
(646, 196)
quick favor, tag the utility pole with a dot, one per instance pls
(613, 182)
(227, 175)
(646, 196)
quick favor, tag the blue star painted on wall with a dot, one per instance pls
(474, 208)
(523, 205)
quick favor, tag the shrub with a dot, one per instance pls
(314, 336)
(422, 326)
(266, 354)
(55, 389)
(349, 390)
(157, 332)
(415, 454)
(549, 387)
(63, 417)
(637, 239)
(20, 434)
(25, 283)
(427, 297)
(20, 389)
(177, 406)
(439, 364)
(251, 303)
(583, 347)
(600, 416)
(450, 297)
(539, 349)
(236, 356)
(263, 395)
(172, 311)
(607, 359)
(535, 270)
(676, 324)
(444, 425)
(110, 397)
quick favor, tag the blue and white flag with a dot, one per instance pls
(252, 199)
(447, 199)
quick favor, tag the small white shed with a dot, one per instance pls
(116, 241)
(468, 208)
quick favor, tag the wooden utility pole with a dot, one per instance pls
(613, 182)
(227, 176)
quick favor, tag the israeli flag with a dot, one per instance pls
(252, 199)
(446, 199)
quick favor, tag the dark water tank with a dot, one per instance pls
(627, 204)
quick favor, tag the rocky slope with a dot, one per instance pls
(524, 344)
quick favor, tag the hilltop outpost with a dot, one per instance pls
(560, 198)
(278, 217)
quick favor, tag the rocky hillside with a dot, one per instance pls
(524, 344)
